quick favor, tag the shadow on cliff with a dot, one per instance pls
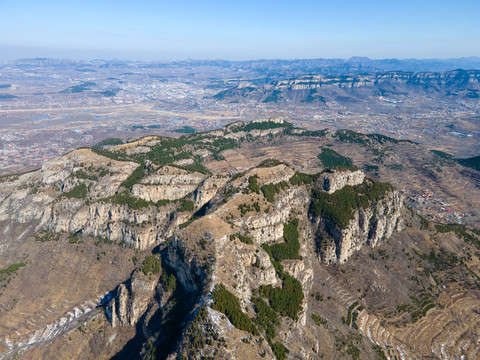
(166, 324)
(132, 348)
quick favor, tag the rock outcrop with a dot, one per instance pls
(265, 229)
(140, 228)
(325, 90)
(334, 179)
(368, 225)
(31, 196)
(43, 197)
(272, 175)
(130, 300)
(167, 183)
(208, 189)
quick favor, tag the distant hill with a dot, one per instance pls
(271, 67)
(473, 162)
(385, 88)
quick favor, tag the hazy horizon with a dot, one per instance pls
(155, 30)
(233, 60)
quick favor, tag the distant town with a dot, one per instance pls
(49, 107)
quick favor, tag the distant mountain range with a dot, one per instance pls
(356, 65)
(380, 88)
(277, 67)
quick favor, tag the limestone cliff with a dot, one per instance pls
(335, 179)
(208, 189)
(129, 301)
(80, 193)
(167, 183)
(29, 196)
(328, 90)
(345, 229)
(139, 228)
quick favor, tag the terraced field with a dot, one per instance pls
(447, 331)
(370, 325)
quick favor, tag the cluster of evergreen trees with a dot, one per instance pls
(228, 304)
(339, 206)
(331, 158)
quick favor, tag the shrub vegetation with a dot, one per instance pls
(280, 351)
(151, 264)
(270, 163)
(228, 304)
(287, 300)
(267, 318)
(270, 190)
(288, 249)
(303, 179)
(253, 185)
(78, 192)
(473, 162)
(135, 176)
(319, 320)
(461, 231)
(9, 270)
(186, 205)
(330, 158)
(339, 206)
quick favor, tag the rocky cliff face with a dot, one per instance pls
(351, 89)
(210, 252)
(208, 189)
(265, 229)
(334, 180)
(138, 228)
(368, 225)
(44, 197)
(167, 183)
(28, 197)
(130, 300)
(424, 79)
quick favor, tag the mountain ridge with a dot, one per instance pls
(368, 88)
(218, 245)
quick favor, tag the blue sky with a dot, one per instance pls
(238, 30)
